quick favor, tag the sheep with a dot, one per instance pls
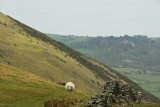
(70, 86)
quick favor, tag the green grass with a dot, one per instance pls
(129, 70)
(149, 81)
(19, 88)
(67, 39)
(154, 38)
(58, 37)
(147, 105)
(86, 51)
(145, 77)
(42, 58)
(110, 51)
(151, 86)
(138, 105)
(156, 94)
(29, 50)
(78, 39)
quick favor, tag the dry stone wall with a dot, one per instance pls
(115, 92)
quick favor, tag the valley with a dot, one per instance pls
(33, 65)
(148, 80)
(125, 58)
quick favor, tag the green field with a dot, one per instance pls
(22, 89)
(79, 39)
(67, 39)
(151, 87)
(87, 51)
(154, 38)
(149, 80)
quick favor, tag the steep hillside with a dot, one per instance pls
(19, 48)
(32, 51)
(137, 57)
(19, 88)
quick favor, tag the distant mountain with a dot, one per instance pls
(29, 50)
(125, 51)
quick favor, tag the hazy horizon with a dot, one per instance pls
(87, 17)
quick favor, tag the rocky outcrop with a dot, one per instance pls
(115, 92)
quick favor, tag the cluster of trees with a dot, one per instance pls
(138, 72)
(143, 52)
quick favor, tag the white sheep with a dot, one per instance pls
(70, 86)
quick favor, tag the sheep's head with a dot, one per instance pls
(70, 86)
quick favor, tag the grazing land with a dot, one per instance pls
(22, 89)
(136, 57)
(138, 52)
(148, 80)
(32, 65)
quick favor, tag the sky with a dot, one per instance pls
(87, 17)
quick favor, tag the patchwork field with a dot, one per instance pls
(148, 80)
(68, 40)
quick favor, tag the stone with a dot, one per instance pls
(115, 92)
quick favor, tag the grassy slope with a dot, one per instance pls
(22, 51)
(20, 88)
(150, 84)
(32, 51)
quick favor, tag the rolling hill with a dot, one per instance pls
(30, 50)
(125, 51)
(136, 57)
